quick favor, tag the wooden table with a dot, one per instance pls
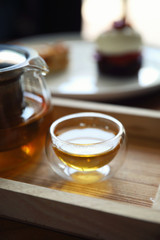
(14, 230)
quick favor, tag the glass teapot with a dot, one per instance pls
(25, 108)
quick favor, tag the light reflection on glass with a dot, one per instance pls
(28, 112)
(11, 57)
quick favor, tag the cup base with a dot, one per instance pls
(84, 177)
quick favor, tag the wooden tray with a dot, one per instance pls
(125, 207)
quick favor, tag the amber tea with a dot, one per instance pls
(85, 160)
(22, 144)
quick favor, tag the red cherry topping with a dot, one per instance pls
(120, 24)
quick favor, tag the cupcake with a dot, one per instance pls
(119, 51)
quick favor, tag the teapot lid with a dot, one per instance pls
(16, 58)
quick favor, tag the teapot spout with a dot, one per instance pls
(38, 63)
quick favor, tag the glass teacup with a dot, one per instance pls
(86, 147)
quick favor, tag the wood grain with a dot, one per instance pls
(130, 200)
(72, 213)
(135, 183)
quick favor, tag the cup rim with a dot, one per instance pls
(54, 138)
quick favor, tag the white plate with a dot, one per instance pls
(81, 79)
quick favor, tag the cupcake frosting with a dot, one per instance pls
(119, 41)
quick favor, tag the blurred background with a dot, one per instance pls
(87, 18)
(144, 16)
(25, 18)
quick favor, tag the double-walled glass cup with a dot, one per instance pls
(86, 147)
